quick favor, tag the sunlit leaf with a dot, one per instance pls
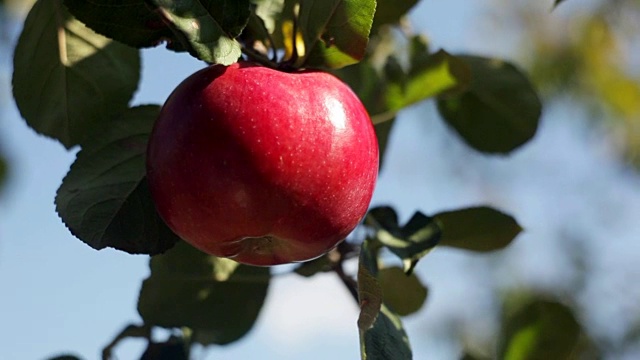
(477, 229)
(269, 11)
(68, 80)
(404, 294)
(499, 111)
(410, 242)
(188, 288)
(104, 200)
(336, 32)
(210, 27)
(435, 74)
(539, 329)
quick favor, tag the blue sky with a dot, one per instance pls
(566, 188)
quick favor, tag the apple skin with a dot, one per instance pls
(262, 166)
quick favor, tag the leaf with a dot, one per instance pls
(209, 26)
(391, 11)
(68, 80)
(173, 349)
(381, 333)
(435, 74)
(386, 340)
(312, 267)
(539, 329)
(500, 110)
(336, 32)
(104, 200)
(369, 291)
(269, 11)
(131, 22)
(403, 293)
(187, 289)
(477, 229)
(411, 242)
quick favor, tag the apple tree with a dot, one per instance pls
(77, 67)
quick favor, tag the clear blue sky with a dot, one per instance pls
(566, 188)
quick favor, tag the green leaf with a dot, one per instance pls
(391, 11)
(335, 32)
(386, 340)
(269, 11)
(382, 336)
(477, 229)
(132, 22)
(369, 290)
(104, 200)
(173, 349)
(210, 27)
(539, 329)
(312, 267)
(188, 288)
(499, 111)
(411, 242)
(432, 75)
(403, 293)
(68, 80)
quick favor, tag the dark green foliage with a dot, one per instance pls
(499, 111)
(218, 299)
(539, 329)
(68, 83)
(382, 336)
(104, 200)
(477, 229)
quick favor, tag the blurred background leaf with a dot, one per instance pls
(477, 229)
(404, 294)
(218, 299)
(539, 329)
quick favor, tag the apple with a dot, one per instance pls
(260, 165)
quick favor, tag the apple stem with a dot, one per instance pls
(258, 57)
(350, 283)
(383, 117)
(342, 252)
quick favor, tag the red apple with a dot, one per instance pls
(262, 166)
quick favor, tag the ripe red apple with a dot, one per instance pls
(262, 166)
